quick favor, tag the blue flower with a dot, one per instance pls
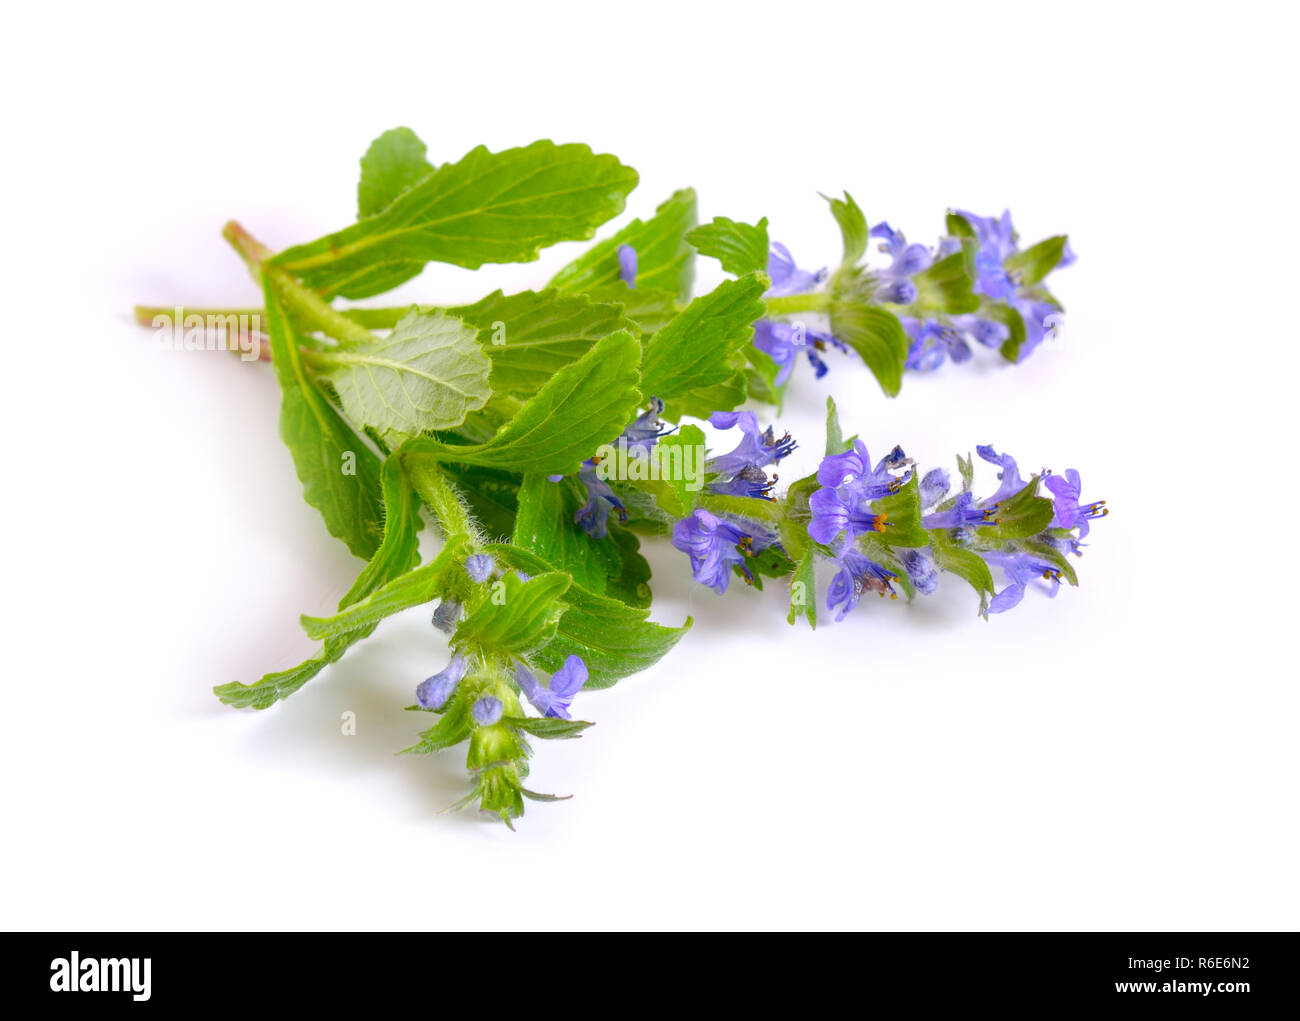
(964, 513)
(446, 615)
(1012, 483)
(755, 449)
(920, 568)
(479, 567)
(555, 699)
(434, 692)
(934, 484)
(786, 277)
(593, 516)
(627, 261)
(783, 341)
(1069, 513)
(894, 283)
(716, 545)
(487, 710)
(930, 342)
(849, 484)
(1020, 569)
(857, 574)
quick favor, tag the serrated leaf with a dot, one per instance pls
(428, 373)
(521, 618)
(1030, 266)
(613, 638)
(548, 728)
(531, 336)
(415, 587)
(665, 261)
(485, 208)
(651, 308)
(853, 227)
(740, 247)
(701, 403)
(632, 584)
(395, 161)
(339, 472)
(584, 405)
(793, 524)
(695, 350)
(873, 332)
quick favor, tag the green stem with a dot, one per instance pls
(440, 496)
(302, 304)
(793, 304)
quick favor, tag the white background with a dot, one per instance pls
(1123, 757)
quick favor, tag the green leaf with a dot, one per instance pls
(740, 247)
(959, 226)
(584, 405)
(545, 526)
(1053, 556)
(803, 591)
(694, 351)
(632, 584)
(548, 728)
(283, 683)
(665, 261)
(966, 469)
(400, 550)
(421, 585)
(613, 639)
(651, 308)
(395, 162)
(902, 514)
(701, 403)
(428, 373)
(853, 227)
(793, 524)
(486, 208)
(964, 563)
(834, 434)
(945, 288)
(531, 336)
(339, 472)
(1012, 320)
(674, 495)
(521, 616)
(1019, 516)
(453, 726)
(873, 332)
(1030, 266)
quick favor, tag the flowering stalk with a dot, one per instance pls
(548, 432)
